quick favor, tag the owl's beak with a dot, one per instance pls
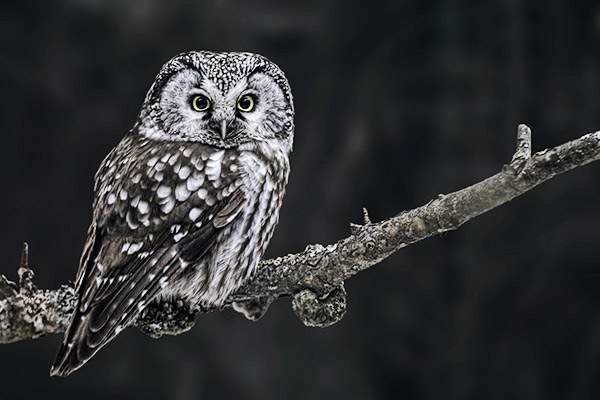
(223, 129)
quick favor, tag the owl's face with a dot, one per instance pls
(220, 99)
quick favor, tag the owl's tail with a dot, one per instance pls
(73, 352)
(87, 334)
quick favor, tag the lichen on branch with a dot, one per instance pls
(315, 276)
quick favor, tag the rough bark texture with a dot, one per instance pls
(315, 276)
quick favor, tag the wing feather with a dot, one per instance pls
(113, 296)
(149, 211)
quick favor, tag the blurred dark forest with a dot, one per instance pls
(397, 101)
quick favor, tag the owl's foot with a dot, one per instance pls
(167, 318)
(320, 312)
(253, 309)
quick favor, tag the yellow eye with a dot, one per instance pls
(200, 103)
(246, 103)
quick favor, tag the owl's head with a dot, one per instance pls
(220, 99)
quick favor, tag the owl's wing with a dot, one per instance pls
(121, 274)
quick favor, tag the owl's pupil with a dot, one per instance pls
(245, 103)
(200, 103)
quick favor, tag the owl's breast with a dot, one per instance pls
(264, 174)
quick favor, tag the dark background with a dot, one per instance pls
(397, 101)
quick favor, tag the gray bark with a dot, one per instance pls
(315, 276)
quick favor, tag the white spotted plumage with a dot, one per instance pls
(187, 202)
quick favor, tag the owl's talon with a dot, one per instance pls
(166, 318)
(320, 312)
(253, 309)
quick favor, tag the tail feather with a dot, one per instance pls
(85, 337)
(94, 327)
(74, 351)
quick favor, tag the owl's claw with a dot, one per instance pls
(167, 318)
(253, 309)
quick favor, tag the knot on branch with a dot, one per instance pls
(320, 312)
(166, 318)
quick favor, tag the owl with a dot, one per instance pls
(185, 205)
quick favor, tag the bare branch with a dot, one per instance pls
(315, 276)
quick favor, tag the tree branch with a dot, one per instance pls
(315, 276)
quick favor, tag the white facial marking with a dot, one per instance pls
(262, 170)
(111, 199)
(202, 193)
(123, 194)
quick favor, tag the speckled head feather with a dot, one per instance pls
(222, 78)
(186, 204)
